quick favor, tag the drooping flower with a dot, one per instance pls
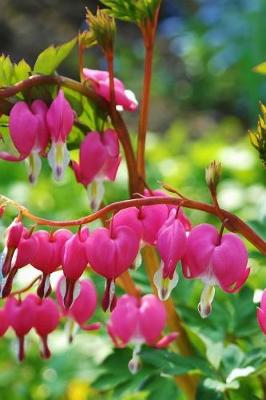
(45, 321)
(171, 245)
(26, 250)
(110, 253)
(217, 260)
(74, 263)
(60, 120)
(145, 221)
(99, 160)
(8, 256)
(138, 321)
(101, 85)
(261, 313)
(82, 308)
(29, 134)
(181, 214)
(21, 317)
(49, 255)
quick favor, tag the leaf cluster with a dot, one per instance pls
(258, 137)
(137, 11)
(102, 30)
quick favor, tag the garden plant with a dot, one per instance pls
(129, 270)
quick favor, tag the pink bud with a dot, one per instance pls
(110, 253)
(99, 160)
(21, 316)
(74, 262)
(60, 120)
(101, 85)
(261, 313)
(49, 255)
(215, 259)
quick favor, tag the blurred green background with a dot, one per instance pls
(204, 99)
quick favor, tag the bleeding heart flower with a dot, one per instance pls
(21, 317)
(125, 99)
(49, 256)
(181, 214)
(46, 320)
(110, 253)
(99, 160)
(138, 321)
(26, 250)
(261, 313)
(217, 260)
(171, 245)
(145, 221)
(74, 263)
(83, 307)
(8, 256)
(60, 120)
(29, 134)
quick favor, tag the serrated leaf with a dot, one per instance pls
(22, 71)
(6, 71)
(136, 11)
(49, 60)
(261, 68)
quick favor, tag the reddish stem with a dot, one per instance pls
(233, 223)
(148, 32)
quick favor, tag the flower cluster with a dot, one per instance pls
(38, 130)
(214, 257)
(44, 315)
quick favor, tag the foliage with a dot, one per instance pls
(133, 11)
(229, 352)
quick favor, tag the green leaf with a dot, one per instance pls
(205, 393)
(136, 11)
(232, 358)
(22, 71)
(6, 71)
(261, 68)
(175, 364)
(49, 60)
(161, 388)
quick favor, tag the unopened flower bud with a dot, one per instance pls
(212, 175)
(102, 28)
